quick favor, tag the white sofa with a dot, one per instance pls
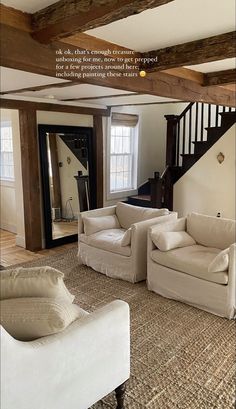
(103, 250)
(72, 369)
(184, 273)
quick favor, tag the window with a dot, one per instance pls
(123, 157)
(6, 158)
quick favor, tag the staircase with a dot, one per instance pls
(78, 146)
(189, 136)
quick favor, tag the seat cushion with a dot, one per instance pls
(29, 318)
(33, 282)
(193, 260)
(211, 231)
(109, 240)
(129, 214)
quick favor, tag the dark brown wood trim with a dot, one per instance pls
(35, 57)
(30, 178)
(102, 97)
(220, 78)
(40, 87)
(214, 48)
(41, 106)
(98, 149)
(67, 17)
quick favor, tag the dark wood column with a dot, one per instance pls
(98, 153)
(30, 178)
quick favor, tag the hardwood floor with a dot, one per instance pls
(12, 254)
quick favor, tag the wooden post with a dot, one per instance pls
(30, 179)
(98, 155)
(172, 121)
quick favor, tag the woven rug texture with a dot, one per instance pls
(181, 357)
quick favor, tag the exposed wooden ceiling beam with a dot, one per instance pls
(102, 97)
(39, 88)
(44, 106)
(148, 103)
(185, 73)
(195, 52)
(220, 77)
(67, 17)
(29, 55)
(15, 18)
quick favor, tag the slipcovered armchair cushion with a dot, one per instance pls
(129, 214)
(96, 224)
(166, 241)
(220, 262)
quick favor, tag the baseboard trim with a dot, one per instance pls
(20, 241)
(8, 227)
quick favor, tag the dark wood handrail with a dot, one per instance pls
(164, 172)
(185, 110)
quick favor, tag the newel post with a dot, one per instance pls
(172, 122)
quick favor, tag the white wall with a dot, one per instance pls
(12, 206)
(209, 187)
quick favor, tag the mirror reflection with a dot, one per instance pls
(67, 162)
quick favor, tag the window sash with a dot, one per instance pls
(6, 153)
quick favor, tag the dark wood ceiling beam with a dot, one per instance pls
(67, 17)
(15, 18)
(51, 107)
(29, 55)
(209, 49)
(39, 88)
(220, 78)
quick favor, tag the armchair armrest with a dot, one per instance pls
(139, 237)
(87, 361)
(104, 211)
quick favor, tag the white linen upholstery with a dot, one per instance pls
(126, 240)
(73, 369)
(30, 318)
(95, 224)
(104, 252)
(33, 282)
(166, 241)
(211, 231)
(192, 260)
(185, 277)
(220, 262)
(109, 240)
(129, 214)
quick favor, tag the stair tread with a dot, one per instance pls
(141, 197)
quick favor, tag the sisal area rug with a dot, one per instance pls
(181, 357)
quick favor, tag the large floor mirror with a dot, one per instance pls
(68, 180)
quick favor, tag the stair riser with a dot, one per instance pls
(137, 202)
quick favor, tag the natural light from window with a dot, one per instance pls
(122, 158)
(6, 158)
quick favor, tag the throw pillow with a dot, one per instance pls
(126, 240)
(33, 282)
(166, 241)
(29, 318)
(95, 224)
(220, 262)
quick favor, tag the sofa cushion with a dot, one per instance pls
(109, 240)
(129, 214)
(30, 318)
(193, 260)
(33, 282)
(220, 262)
(126, 240)
(166, 241)
(211, 231)
(94, 224)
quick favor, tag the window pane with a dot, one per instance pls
(126, 145)
(7, 164)
(118, 144)
(113, 164)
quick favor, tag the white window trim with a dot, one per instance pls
(5, 181)
(126, 192)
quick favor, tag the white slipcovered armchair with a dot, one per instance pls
(193, 260)
(72, 369)
(113, 240)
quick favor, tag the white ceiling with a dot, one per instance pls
(14, 79)
(221, 65)
(173, 23)
(29, 6)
